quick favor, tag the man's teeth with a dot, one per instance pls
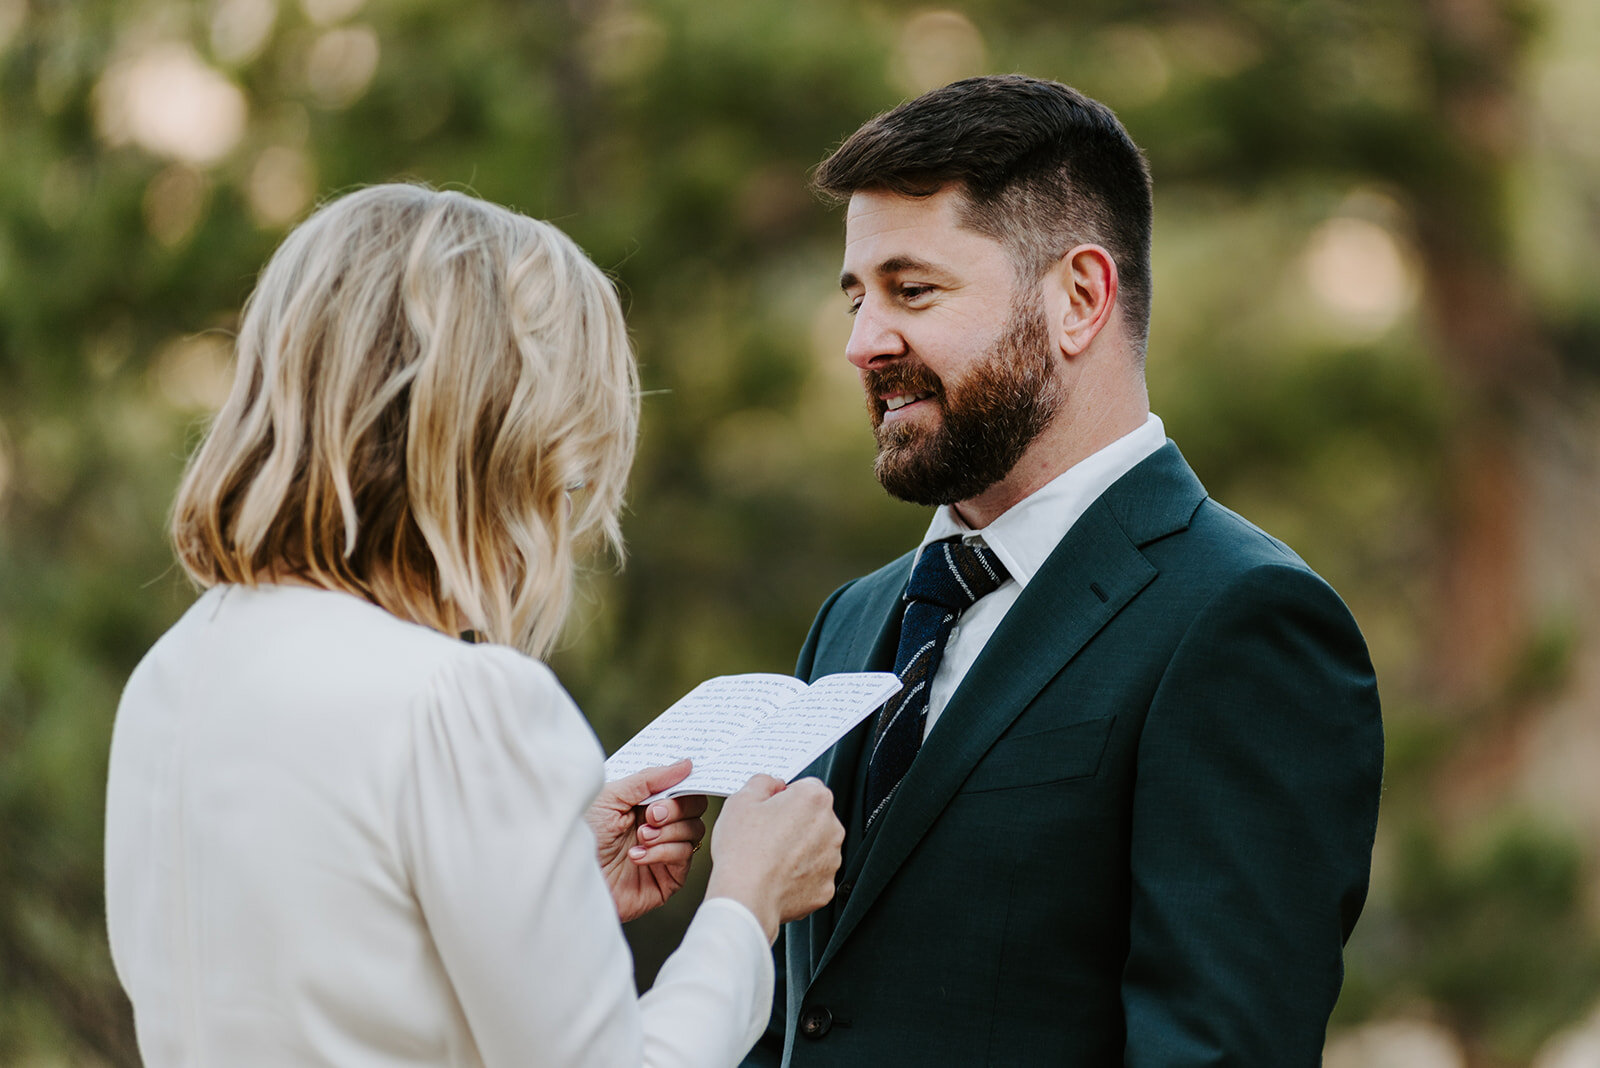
(902, 399)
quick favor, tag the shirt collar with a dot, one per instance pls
(1025, 535)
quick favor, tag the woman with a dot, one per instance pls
(336, 833)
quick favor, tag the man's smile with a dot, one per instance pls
(895, 402)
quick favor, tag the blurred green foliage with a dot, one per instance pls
(1322, 168)
(1489, 930)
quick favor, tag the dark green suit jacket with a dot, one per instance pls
(1140, 831)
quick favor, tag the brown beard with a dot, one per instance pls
(987, 419)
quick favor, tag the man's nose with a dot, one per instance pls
(873, 338)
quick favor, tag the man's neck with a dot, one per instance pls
(1062, 446)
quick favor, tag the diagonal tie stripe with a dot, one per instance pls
(949, 577)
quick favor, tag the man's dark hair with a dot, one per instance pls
(1043, 168)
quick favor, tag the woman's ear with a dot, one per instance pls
(1083, 285)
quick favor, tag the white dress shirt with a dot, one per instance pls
(337, 838)
(1023, 537)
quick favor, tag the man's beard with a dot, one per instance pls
(988, 418)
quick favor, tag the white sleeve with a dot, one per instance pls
(504, 870)
(712, 977)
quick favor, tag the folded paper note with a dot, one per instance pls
(735, 726)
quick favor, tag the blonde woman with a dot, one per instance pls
(338, 834)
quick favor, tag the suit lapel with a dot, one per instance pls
(865, 642)
(1094, 572)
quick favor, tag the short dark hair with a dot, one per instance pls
(1042, 166)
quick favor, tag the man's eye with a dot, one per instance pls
(912, 292)
(855, 306)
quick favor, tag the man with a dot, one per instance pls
(1123, 811)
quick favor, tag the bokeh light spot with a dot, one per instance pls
(936, 48)
(281, 186)
(1395, 1044)
(624, 45)
(174, 202)
(13, 13)
(1578, 1047)
(194, 373)
(1133, 69)
(341, 65)
(328, 12)
(5, 467)
(1358, 273)
(167, 101)
(1567, 92)
(240, 29)
(1211, 47)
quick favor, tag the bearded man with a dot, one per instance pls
(1123, 811)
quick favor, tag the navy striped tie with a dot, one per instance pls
(948, 579)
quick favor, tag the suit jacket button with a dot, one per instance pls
(845, 888)
(815, 1022)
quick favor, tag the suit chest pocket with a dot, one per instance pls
(1055, 754)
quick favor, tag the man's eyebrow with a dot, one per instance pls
(894, 265)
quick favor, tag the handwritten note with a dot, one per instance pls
(735, 726)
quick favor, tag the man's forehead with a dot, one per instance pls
(872, 209)
(888, 233)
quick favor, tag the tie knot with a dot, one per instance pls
(953, 574)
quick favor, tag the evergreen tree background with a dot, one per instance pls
(1376, 332)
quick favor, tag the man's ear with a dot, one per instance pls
(1083, 286)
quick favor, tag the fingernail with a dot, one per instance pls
(649, 832)
(637, 852)
(658, 813)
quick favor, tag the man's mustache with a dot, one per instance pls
(907, 377)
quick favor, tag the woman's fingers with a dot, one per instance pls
(683, 807)
(635, 788)
(669, 854)
(688, 830)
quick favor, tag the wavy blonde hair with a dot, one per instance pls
(423, 380)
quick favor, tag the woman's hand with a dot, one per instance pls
(776, 850)
(645, 851)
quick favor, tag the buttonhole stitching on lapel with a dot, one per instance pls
(1094, 587)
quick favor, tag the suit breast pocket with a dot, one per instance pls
(1039, 757)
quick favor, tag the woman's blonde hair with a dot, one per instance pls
(423, 380)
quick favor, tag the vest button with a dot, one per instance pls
(815, 1022)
